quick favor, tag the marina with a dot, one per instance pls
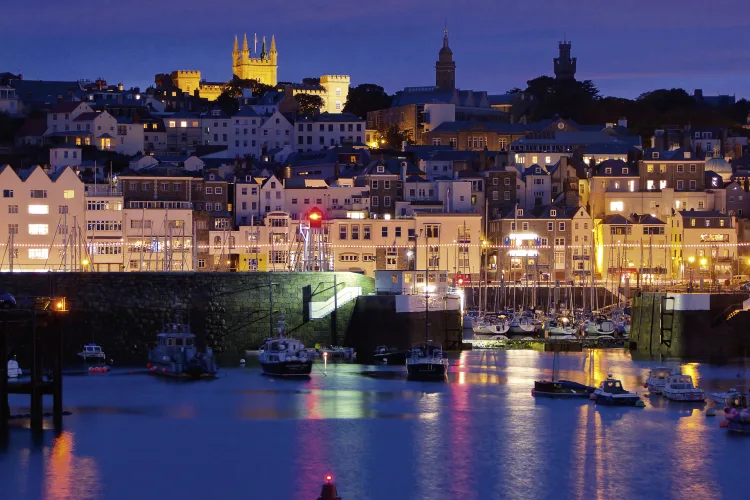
(453, 439)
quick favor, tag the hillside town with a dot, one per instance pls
(190, 176)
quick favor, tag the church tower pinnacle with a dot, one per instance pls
(445, 67)
(273, 52)
(236, 51)
(263, 53)
(245, 49)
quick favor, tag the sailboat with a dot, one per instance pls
(426, 361)
(560, 388)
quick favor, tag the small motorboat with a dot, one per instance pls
(610, 392)
(561, 327)
(337, 353)
(14, 371)
(285, 357)
(657, 379)
(681, 388)
(92, 352)
(426, 362)
(521, 325)
(389, 355)
(561, 389)
(599, 326)
(722, 397)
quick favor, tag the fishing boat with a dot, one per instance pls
(611, 393)
(389, 355)
(681, 388)
(176, 355)
(92, 352)
(285, 357)
(560, 388)
(426, 362)
(657, 379)
(14, 371)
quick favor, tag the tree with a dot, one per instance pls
(308, 104)
(311, 81)
(233, 90)
(366, 97)
(394, 137)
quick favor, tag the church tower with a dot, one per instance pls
(565, 66)
(249, 65)
(445, 68)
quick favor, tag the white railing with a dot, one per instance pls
(322, 309)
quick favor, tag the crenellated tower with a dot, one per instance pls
(445, 67)
(565, 66)
(249, 65)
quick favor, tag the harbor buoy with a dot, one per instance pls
(242, 361)
(328, 491)
(640, 404)
(711, 412)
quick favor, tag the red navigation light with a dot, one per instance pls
(329, 478)
(315, 217)
(460, 281)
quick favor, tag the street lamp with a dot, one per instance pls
(691, 260)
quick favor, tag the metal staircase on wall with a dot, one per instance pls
(324, 308)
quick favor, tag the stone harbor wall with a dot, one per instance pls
(691, 326)
(230, 312)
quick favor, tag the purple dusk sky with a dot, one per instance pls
(626, 48)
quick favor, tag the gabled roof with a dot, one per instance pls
(616, 169)
(43, 92)
(415, 178)
(702, 213)
(612, 148)
(246, 111)
(647, 219)
(65, 107)
(331, 117)
(86, 117)
(615, 219)
(673, 155)
(535, 170)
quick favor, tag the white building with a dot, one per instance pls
(9, 102)
(328, 131)
(104, 231)
(67, 156)
(537, 188)
(130, 137)
(44, 222)
(158, 236)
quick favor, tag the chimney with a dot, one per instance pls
(336, 170)
(403, 170)
(403, 146)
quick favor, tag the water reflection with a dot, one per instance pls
(68, 477)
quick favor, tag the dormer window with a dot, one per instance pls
(655, 155)
(607, 170)
(697, 135)
(216, 112)
(625, 171)
(538, 170)
(687, 155)
(380, 169)
(247, 178)
(519, 212)
(211, 177)
(553, 213)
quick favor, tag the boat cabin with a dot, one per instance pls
(678, 382)
(176, 339)
(612, 386)
(92, 349)
(659, 373)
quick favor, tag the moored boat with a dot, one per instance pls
(92, 352)
(561, 389)
(681, 388)
(176, 355)
(610, 392)
(14, 371)
(657, 379)
(389, 355)
(285, 357)
(426, 362)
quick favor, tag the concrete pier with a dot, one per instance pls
(690, 325)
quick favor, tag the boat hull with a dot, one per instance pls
(614, 401)
(393, 358)
(561, 389)
(687, 397)
(426, 371)
(288, 368)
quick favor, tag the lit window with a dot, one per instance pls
(183, 124)
(172, 123)
(38, 209)
(38, 229)
(68, 194)
(38, 253)
(616, 206)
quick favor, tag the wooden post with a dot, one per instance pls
(57, 410)
(36, 378)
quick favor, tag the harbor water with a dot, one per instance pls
(479, 436)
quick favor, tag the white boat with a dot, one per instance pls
(92, 352)
(521, 325)
(599, 326)
(681, 388)
(14, 371)
(722, 397)
(559, 328)
(486, 328)
(657, 379)
(285, 357)
(610, 392)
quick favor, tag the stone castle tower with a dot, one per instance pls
(253, 66)
(445, 67)
(565, 66)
